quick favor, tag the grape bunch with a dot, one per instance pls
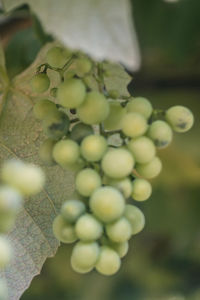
(19, 179)
(81, 125)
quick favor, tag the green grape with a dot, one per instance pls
(45, 152)
(114, 94)
(57, 57)
(94, 109)
(56, 125)
(93, 147)
(107, 204)
(109, 261)
(66, 152)
(71, 210)
(124, 185)
(69, 74)
(7, 222)
(10, 201)
(134, 125)
(27, 178)
(63, 230)
(114, 119)
(161, 133)
(3, 290)
(83, 66)
(71, 93)
(140, 105)
(150, 169)
(84, 256)
(135, 217)
(43, 108)
(88, 228)
(119, 231)
(120, 248)
(5, 252)
(180, 118)
(117, 163)
(87, 181)
(142, 148)
(80, 131)
(142, 189)
(40, 83)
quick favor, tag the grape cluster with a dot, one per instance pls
(98, 215)
(18, 180)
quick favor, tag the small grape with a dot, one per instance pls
(140, 105)
(10, 201)
(40, 83)
(57, 57)
(43, 108)
(142, 148)
(135, 217)
(88, 228)
(56, 125)
(124, 185)
(5, 252)
(161, 133)
(114, 119)
(71, 210)
(141, 189)
(64, 231)
(120, 248)
(87, 181)
(150, 169)
(180, 118)
(94, 109)
(107, 204)
(71, 93)
(119, 231)
(93, 147)
(114, 94)
(66, 152)
(3, 290)
(134, 125)
(80, 131)
(108, 262)
(117, 163)
(83, 66)
(45, 152)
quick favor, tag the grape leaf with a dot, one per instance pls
(101, 28)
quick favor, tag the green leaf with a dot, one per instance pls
(4, 80)
(101, 28)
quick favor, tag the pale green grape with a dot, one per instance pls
(10, 200)
(87, 181)
(117, 163)
(63, 230)
(120, 248)
(66, 152)
(135, 217)
(57, 57)
(134, 124)
(119, 231)
(84, 256)
(94, 109)
(71, 93)
(83, 66)
(80, 131)
(43, 108)
(114, 119)
(140, 105)
(124, 185)
(150, 169)
(71, 210)
(93, 147)
(107, 204)
(161, 133)
(180, 118)
(3, 290)
(142, 148)
(88, 228)
(142, 189)
(45, 152)
(40, 83)
(5, 252)
(109, 261)
(56, 125)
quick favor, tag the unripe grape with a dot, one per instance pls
(109, 261)
(180, 118)
(120, 248)
(3, 290)
(124, 185)
(134, 124)
(94, 109)
(46, 152)
(88, 228)
(5, 252)
(107, 204)
(114, 119)
(71, 210)
(63, 230)
(140, 105)
(57, 57)
(10, 201)
(71, 93)
(117, 163)
(161, 133)
(150, 169)
(83, 66)
(119, 231)
(93, 147)
(87, 181)
(43, 108)
(135, 217)
(56, 125)
(142, 148)
(142, 189)
(80, 131)
(40, 83)
(66, 152)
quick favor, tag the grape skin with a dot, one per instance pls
(124, 185)
(40, 83)
(57, 57)
(180, 118)
(88, 228)
(140, 105)
(66, 152)
(93, 147)
(82, 66)
(161, 133)
(142, 189)
(109, 261)
(134, 124)
(136, 218)
(80, 131)
(120, 248)
(64, 231)
(46, 152)
(56, 125)
(5, 252)
(87, 181)
(142, 148)
(43, 108)
(114, 119)
(71, 210)
(119, 231)
(150, 169)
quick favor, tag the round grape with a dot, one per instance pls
(88, 228)
(142, 148)
(87, 181)
(93, 147)
(64, 231)
(80, 131)
(46, 152)
(108, 262)
(142, 189)
(56, 125)
(119, 231)
(83, 66)
(71, 210)
(150, 169)
(135, 217)
(114, 119)
(134, 125)
(120, 248)
(161, 133)
(40, 83)
(124, 185)
(57, 57)
(43, 108)
(180, 118)
(66, 152)
(5, 252)
(140, 105)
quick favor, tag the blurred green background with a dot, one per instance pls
(163, 262)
